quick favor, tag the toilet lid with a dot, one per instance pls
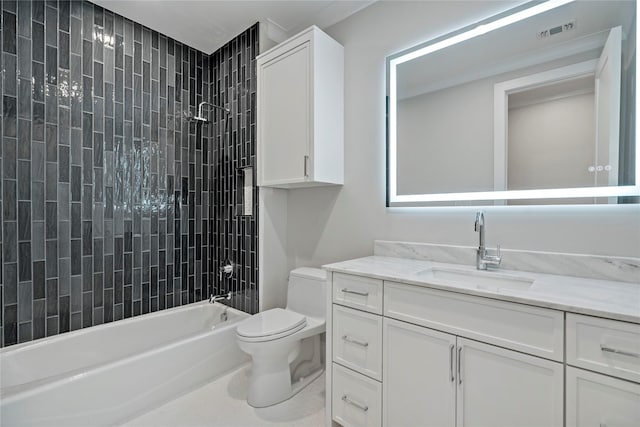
(271, 322)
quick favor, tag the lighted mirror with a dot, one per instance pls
(534, 106)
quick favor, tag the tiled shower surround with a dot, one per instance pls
(113, 203)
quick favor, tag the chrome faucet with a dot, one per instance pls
(216, 298)
(483, 258)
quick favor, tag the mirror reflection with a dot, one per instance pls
(545, 103)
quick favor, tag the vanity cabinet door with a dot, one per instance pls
(601, 401)
(419, 386)
(499, 387)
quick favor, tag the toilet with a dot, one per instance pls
(284, 344)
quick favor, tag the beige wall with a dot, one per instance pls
(332, 224)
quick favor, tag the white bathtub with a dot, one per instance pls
(109, 373)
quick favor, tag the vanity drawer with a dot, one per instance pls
(532, 330)
(358, 292)
(608, 346)
(356, 399)
(357, 341)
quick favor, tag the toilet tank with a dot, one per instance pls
(307, 291)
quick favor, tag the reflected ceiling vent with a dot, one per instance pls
(557, 30)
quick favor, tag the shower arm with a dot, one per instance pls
(203, 104)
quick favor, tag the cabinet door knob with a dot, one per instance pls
(306, 170)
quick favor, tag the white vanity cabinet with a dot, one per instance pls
(300, 103)
(463, 382)
(404, 354)
(603, 372)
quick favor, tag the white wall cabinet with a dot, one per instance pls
(300, 102)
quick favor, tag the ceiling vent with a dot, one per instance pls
(553, 31)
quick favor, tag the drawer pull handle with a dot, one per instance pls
(358, 405)
(451, 357)
(616, 351)
(459, 365)
(350, 291)
(347, 338)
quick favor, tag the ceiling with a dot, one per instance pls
(208, 24)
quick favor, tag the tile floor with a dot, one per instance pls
(223, 403)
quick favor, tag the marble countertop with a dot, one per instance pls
(603, 298)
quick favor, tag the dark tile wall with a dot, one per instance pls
(106, 189)
(233, 139)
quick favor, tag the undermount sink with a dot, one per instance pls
(477, 279)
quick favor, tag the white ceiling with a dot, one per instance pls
(208, 24)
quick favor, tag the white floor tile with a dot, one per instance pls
(223, 403)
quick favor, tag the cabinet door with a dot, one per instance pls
(499, 387)
(284, 116)
(595, 400)
(419, 387)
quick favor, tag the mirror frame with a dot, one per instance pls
(495, 22)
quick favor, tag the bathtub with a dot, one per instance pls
(110, 373)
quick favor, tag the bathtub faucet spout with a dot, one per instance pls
(216, 298)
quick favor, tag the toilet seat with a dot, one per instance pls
(270, 325)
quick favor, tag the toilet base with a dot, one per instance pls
(281, 369)
(279, 394)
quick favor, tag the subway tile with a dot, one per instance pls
(76, 294)
(10, 80)
(51, 187)
(39, 279)
(51, 326)
(24, 58)
(51, 26)
(37, 10)
(51, 65)
(76, 321)
(87, 309)
(64, 87)
(38, 124)
(24, 18)
(63, 163)
(10, 324)
(76, 220)
(39, 315)
(9, 111)
(64, 317)
(10, 283)
(8, 32)
(24, 258)
(24, 221)
(64, 278)
(76, 36)
(63, 50)
(64, 14)
(51, 140)
(10, 201)
(51, 104)
(51, 258)
(38, 81)
(52, 296)
(38, 245)
(38, 161)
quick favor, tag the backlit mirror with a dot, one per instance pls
(534, 106)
